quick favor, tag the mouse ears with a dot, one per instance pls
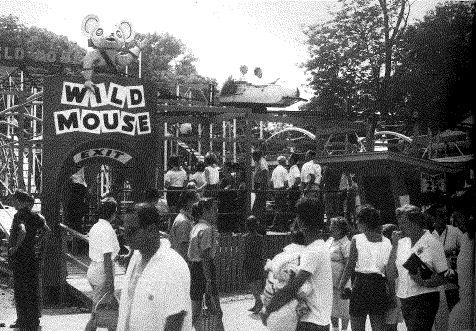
(90, 23)
(127, 31)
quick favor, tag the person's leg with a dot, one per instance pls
(376, 321)
(345, 324)
(196, 307)
(255, 287)
(357, 323)
(335, 323)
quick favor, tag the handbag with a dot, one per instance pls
(209, 318)
(106, 311)
(414, 263)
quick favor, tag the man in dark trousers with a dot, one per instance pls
(24, 262)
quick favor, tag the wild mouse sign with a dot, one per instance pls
(122, 106)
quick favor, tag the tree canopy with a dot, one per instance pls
(428, 72)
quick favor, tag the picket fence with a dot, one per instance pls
(229, 259)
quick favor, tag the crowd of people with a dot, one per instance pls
(389, 273)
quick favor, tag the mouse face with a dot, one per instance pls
(101, 38)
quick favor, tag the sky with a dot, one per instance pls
(222, 34)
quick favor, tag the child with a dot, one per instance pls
(253, 262)
(281, 269)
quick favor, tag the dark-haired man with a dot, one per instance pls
(314, 266)
(156, 290)
(311, 175)
(24, 261)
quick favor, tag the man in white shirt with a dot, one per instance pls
(279, 180)
(451, 238)
(315, 266)
(156, 290)
(103, 249)
(311, 174)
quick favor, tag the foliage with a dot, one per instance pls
(435, 77)
(347, 57)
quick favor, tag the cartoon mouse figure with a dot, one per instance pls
(108, 49)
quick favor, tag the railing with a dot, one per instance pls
(228, 260)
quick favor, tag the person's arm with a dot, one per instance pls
(206, 173)
(175, 322)
(21, 237)
(439, 266)
(350, 266)
(435, 280)
(109, 271)
(286, 294)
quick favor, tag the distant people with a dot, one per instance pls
(311, 175)
(152, 196)
(418, 291)
(260, 185)
(175, 181)
(155, 293)
(27, 228)
(179, 235)
(201, 253)
(393, 315)
(253, 263)
(314, 266)
(451, 238)
(212, 176)
(199, 177)
(279, 181)
(368, 260)
(294, 182)
(103, 249)
(340, 249)
(226, 200)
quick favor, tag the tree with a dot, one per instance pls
(435, 79)
(350, 52)
(167, 62)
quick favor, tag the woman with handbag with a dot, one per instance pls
(201, 253)
(418, 259)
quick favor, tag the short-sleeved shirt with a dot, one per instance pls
(213, 175)
(293, 174)
(372, 257)
(102, 240)
(32, 222)
(202, 236)
(199, 178)
(279, 176)
(315, 259)
(155, 291)
(180, 232)
(451, 238)
(311, 168)
(176, 178)
(430, 251)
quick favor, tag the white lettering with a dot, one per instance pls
(102, 152)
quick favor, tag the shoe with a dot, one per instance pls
(258, 308)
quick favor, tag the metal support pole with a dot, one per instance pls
(234, 140)
(224, 142)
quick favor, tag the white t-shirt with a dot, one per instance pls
(176, 178)
(102, 240)
(315, 259)
(309, 168)
(293, 174)
(213, 175)
(199, 178)
(279, 176)
(451, 238)
(372, 257)
(162, 289)
(430, 251)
